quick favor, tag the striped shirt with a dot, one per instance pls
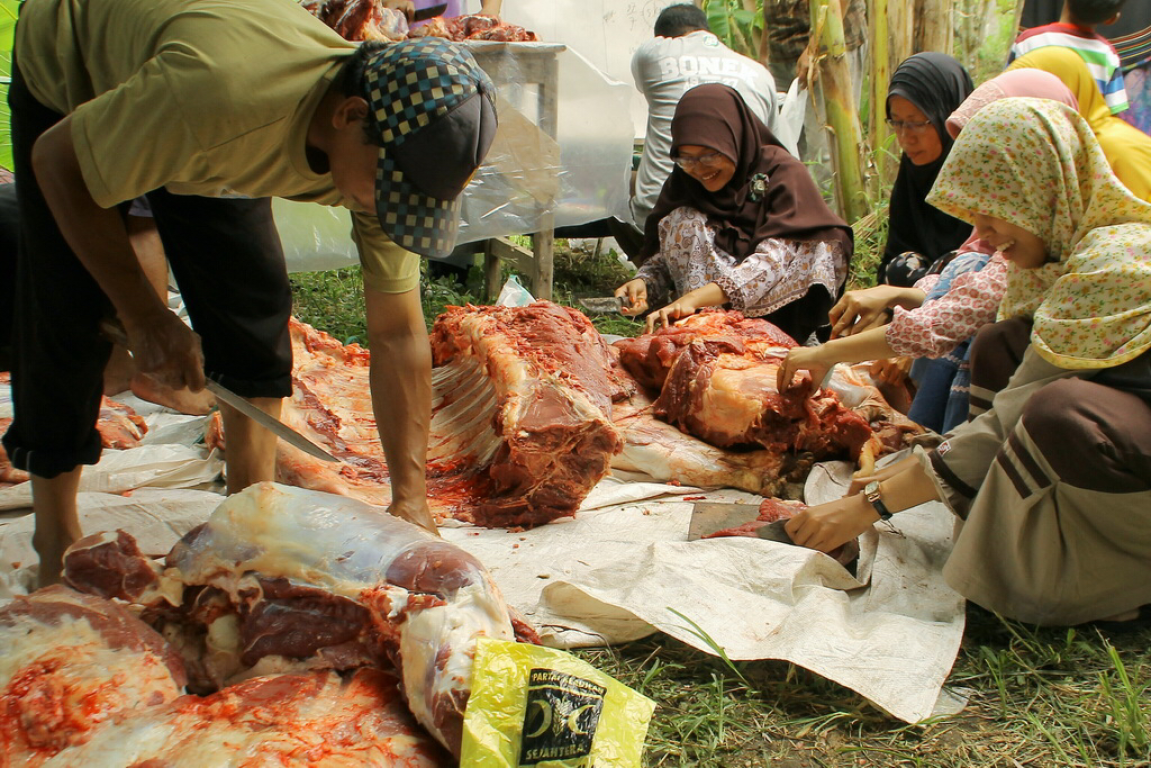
(1097, 52)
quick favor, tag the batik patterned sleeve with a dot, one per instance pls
(779, 272)
(939, 326)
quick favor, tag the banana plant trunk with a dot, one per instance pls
(935, 28)
(877, 23)
(847, 149)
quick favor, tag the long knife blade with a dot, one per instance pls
(431, 12)
(270, 423)
(114, 331)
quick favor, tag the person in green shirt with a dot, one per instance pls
(209, 108)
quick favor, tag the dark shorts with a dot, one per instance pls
(228, 263)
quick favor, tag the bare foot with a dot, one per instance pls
(182, 400)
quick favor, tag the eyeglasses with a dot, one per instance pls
(687, 162)
(903, 125)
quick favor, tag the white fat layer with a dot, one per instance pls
(222, 647)
(130, 742)
(124, 680)
(337, 544)
(475, 612)
(29, 640)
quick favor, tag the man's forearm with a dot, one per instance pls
(401, 390)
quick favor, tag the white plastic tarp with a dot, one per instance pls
(623, 568)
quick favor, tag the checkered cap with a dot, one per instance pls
(435, 112)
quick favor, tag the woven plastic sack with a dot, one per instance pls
(543, 708)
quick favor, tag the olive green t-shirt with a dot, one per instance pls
(202, 97)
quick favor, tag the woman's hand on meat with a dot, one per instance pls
(634, 293)
(827, 526)
(167, 350)
(814, 360)
(891, 371)
(684, 306)
(710, 295)
(869, 308)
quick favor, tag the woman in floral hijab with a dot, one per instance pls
(1053, 484)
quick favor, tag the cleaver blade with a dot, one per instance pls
(603, 306)
(775, 532)
(711, 517)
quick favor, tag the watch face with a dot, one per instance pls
(872, 488)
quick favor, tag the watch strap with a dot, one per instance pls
(875, 496)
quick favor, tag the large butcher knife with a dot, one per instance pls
(711, 517)
(270, 423)
(115, 332)
(428, 13)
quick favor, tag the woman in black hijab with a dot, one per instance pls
(922, 94)
(739, 223)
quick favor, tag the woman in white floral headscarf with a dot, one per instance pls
(1054, 482)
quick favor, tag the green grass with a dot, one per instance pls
(1051, 697)
(8, 10)
(333, 301)
(1038, 698)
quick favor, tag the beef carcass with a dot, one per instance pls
(542, 436)
(312, 718)
(650, 356)
(474, 27)
(282, 579)
(331, 405)
(660, 451)
(73, 665)
(120, 428)
(715, 373)
(530, 406)
(723, 392)
(359, 20)
(521, 426)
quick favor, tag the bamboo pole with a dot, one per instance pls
(877, 23)
(839, 105)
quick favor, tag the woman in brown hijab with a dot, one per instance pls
(739, 223)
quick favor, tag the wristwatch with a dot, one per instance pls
(875, 495)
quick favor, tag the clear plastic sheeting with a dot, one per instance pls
(561, 157)
(607, 32)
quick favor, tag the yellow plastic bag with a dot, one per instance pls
(543, 708)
